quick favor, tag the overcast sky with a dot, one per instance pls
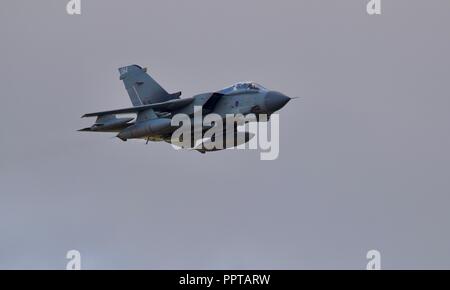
(364, 160)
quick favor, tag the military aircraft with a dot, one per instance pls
(155, 107)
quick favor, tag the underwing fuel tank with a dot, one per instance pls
(153, 127)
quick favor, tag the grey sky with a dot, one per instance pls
(364, 160)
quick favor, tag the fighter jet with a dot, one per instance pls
(154, 108)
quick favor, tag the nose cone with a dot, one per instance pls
(275, 101)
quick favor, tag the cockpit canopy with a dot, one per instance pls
(243, 87)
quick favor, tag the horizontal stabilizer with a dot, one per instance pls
(109, 123)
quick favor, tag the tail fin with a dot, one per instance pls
(142, 88)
